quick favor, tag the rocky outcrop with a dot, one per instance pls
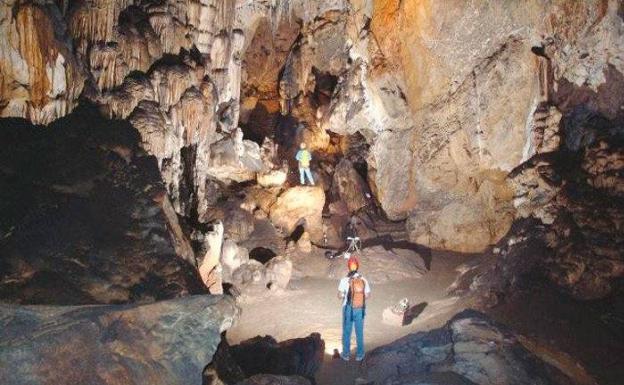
(469, 349)
(161, 343)
(86, 218)
(253, 279)
(452, 126)
(296, 357)
(300, 206)
(573, 234)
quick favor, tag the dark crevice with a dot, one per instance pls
(262, 254)
(297, 233)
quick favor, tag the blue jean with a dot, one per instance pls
(303, 172)
(350, 317)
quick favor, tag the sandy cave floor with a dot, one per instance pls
(311, 305)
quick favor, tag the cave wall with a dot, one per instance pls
(457, 95)
(449, 96)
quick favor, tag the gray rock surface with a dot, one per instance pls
(469, 349)
(167, 342)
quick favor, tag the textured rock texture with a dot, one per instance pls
(85, 217)
(40, 77)
(469, 349)
(300, 206)
(435, 104)
(264, 355)
(161, 343)
(447, 94)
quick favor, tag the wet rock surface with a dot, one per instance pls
(161, 343)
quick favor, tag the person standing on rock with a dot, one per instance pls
(353, 290)
(304, 157)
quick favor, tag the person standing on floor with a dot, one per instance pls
(304, 157)
(354, 290)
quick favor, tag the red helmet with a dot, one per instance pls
(353, 264)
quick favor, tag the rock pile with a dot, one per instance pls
(469, 349)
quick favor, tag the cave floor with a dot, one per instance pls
(311, 305)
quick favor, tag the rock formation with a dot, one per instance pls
(86, 218)
(161, 343)
(300, 206)
(447, 112)
(300, 356)
(469, 349)
(166, 165)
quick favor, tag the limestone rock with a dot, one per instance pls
(450, 141)
(209, 267)
(232, 257)
(164, 342)
(350, 186)
(239, 224)
(252, 278)
(535, 187)
(299, 356)
(605, 164)
(40, 78)
(234, 159)
(303, 244)
(469, 349)
(300, 205)
(278, 272)
(272, 178)
(466, 224)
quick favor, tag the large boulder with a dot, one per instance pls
(469, 349)
(299, 356)
(278, 272)
(464, 224)
(167, 342)
(300, 205)
(252, 278)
